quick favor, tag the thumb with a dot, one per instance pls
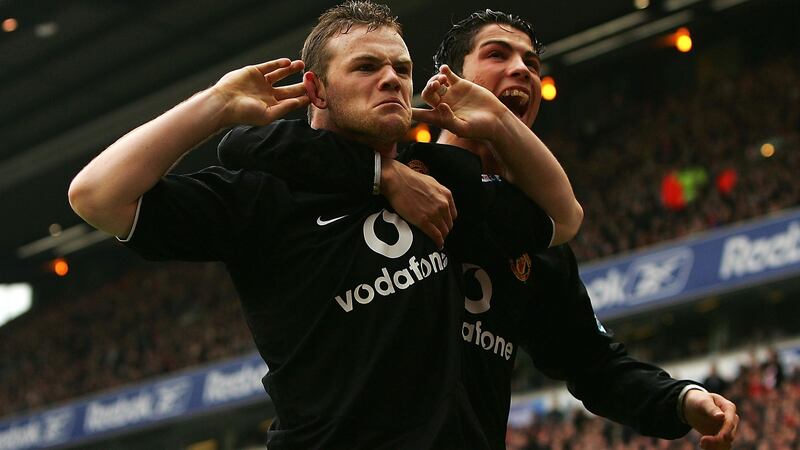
(452, 78)
(430, 116)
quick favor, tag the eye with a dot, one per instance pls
(496, 54)
(403, 70)
(366, 67)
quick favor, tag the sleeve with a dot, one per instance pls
(307, 159)
(516, 223)
(566, 341)
(210, 215)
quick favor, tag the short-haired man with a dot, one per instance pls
(354, 311)
(537, 301)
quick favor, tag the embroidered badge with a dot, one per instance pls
(418, 166)
(521, 267)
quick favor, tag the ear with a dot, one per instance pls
(315, 89)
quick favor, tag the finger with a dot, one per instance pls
(431, 93)
(453, 210)
(430, 116)
(735, 427)
(447, 216)
(728, 412)
(284, 107)
(289, 91)
(278, 74)
(269, 66)
(432, 232)
(452, 78)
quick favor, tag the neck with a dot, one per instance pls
(489, 163)
(387, 149)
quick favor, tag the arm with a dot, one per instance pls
(567, 342)
(106, 192)
(470, 111)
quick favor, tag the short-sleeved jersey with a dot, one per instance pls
(355, 312)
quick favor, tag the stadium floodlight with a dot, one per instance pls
(636, 34)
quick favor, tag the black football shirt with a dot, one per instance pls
(355, 312)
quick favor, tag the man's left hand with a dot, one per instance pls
(460, 106)
(713, 416)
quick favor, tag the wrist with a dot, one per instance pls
(682, 400)
(215, 105)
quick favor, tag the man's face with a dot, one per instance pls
(368, 85)
(502, 60)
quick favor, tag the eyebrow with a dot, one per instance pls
(377, 60)
(507, 46)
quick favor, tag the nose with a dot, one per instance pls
(518, 68)
(389, 79)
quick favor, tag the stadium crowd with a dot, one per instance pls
(166, 317)
(767, 400)
(151, 321)
(718, 128)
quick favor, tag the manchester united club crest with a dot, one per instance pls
(521, 267)
(418, 166)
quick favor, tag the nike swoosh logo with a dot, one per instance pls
(322, 223)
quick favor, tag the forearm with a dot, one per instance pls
(531, 166)
(631, 392)
(105, 193)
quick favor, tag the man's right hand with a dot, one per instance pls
(251, 97)
(106, 192)
(419, 199)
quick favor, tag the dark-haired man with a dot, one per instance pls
(355, 312)
(539, 297)
(536, 301)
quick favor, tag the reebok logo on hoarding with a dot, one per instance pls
(647, 278)
(742, 255)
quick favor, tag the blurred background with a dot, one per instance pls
(678, 122)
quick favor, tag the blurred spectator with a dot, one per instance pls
(714, 382)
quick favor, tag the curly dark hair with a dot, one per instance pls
(458, 42)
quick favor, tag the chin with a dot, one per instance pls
(394, 129)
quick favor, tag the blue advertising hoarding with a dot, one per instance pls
(712, 263)
(219, 386)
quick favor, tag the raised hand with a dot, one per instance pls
(462, 107)
(713, 416)
(252, 98)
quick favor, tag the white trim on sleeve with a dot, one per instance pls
(376, 177)
(553, 234)
(135, 221)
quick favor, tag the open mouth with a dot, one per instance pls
(515, 100)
